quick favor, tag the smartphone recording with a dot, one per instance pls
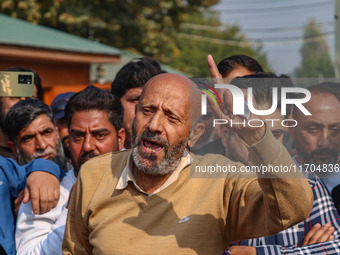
(16, 84)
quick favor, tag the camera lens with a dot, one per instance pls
(24, 79)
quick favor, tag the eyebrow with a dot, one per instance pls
(100, 130)
(172, 113)
(150, 106)
(136, 95)
(47, 130)
(26, 137)
(310, 123)
(334, 125)
(77, 131)
(167, 110)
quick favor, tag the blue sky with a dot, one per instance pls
(279, 25)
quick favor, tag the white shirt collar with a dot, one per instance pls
(127, 174)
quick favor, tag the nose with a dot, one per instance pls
(156, 123)
(323, 139)
(88, 143)
(40, 144)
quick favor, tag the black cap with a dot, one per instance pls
(59, 103)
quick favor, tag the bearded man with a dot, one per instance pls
(32, 132)
(94, 118)
(145, 201)
(317, 136)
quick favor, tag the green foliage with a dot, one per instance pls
(38, 12)
(316, 59)
(211, 38)
(150, 27)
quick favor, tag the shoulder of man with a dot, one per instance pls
(207, 157)
(101, 171)
(114, 162)
(214, 165)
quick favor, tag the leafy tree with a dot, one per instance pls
(38, 12)
(149, 27)
(193, 45)
(316, 60)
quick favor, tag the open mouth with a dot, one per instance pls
(151, 147)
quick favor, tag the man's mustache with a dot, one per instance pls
(85, 157)
(153, 137)
(325, 151)
(44, 152)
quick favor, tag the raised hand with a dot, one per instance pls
(236, 123)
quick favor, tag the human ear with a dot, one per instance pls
(196, 133)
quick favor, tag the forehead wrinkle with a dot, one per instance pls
(322, 101)
(169, 92)
(43, 124)
(167, 107)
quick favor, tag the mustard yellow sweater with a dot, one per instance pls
(192, 216)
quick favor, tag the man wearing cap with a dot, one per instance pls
(58, 107)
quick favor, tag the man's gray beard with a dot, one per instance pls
(167, 164)
(59, 159)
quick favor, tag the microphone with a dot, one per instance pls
(336, 197)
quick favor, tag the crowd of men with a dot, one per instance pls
(113, 172)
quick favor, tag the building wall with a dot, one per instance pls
(54, 75)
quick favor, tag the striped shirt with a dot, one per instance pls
(290, 240)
